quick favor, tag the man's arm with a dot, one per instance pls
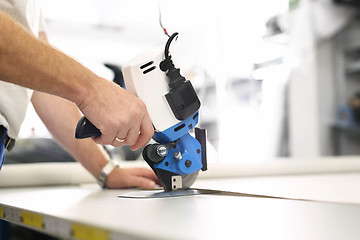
(60, 117)
(29, 62)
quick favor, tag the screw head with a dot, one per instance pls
(188, 163)
(162, 151)
(177, 155)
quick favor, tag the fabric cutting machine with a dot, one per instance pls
(176, 157)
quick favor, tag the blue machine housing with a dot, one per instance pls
(187, 145)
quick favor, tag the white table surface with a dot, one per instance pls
(334, 213)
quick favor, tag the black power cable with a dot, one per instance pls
(181, 97)
(175, 78)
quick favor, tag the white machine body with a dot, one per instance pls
(144, 78)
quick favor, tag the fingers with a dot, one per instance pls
(147, 173)
(128, 138)
(119, 115)
(120, 139)
(132, 135)
(110, 137)
(143, 182)
(146, 132)
(132, 177)
(137, 136)
(145, 178)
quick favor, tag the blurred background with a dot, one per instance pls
(275, 78)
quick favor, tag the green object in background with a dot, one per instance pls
(293, 4)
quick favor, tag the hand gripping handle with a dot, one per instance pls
(86, 129)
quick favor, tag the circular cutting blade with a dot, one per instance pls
(188, 180)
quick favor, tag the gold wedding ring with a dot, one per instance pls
(119, 140)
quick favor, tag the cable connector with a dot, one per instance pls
(175, 78)
(182, 97)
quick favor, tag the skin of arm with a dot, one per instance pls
(33, 63)
(60, 116)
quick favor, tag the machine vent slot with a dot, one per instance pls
(146, 65)
(179, 127)
(149, 70)
(195, 116)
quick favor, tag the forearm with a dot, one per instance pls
(29, 62)
(60, 117)
(32, 63)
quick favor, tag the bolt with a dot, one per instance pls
(198, 151)
(161, 150)
(188, 163)
(177, 155)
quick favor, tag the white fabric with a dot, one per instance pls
(14, 99)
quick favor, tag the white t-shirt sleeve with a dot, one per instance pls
(14, 99)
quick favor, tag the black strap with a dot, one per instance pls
(8, 141)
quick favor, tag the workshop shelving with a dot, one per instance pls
(346, 139)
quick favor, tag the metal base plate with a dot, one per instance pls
(159, 194)
(190, 192)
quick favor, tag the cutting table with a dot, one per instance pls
(310, 205)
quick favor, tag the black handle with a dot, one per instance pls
(86, 129)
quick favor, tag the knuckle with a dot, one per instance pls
(138, 109)
(125, 121)
(142, 106)
(135, 111)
